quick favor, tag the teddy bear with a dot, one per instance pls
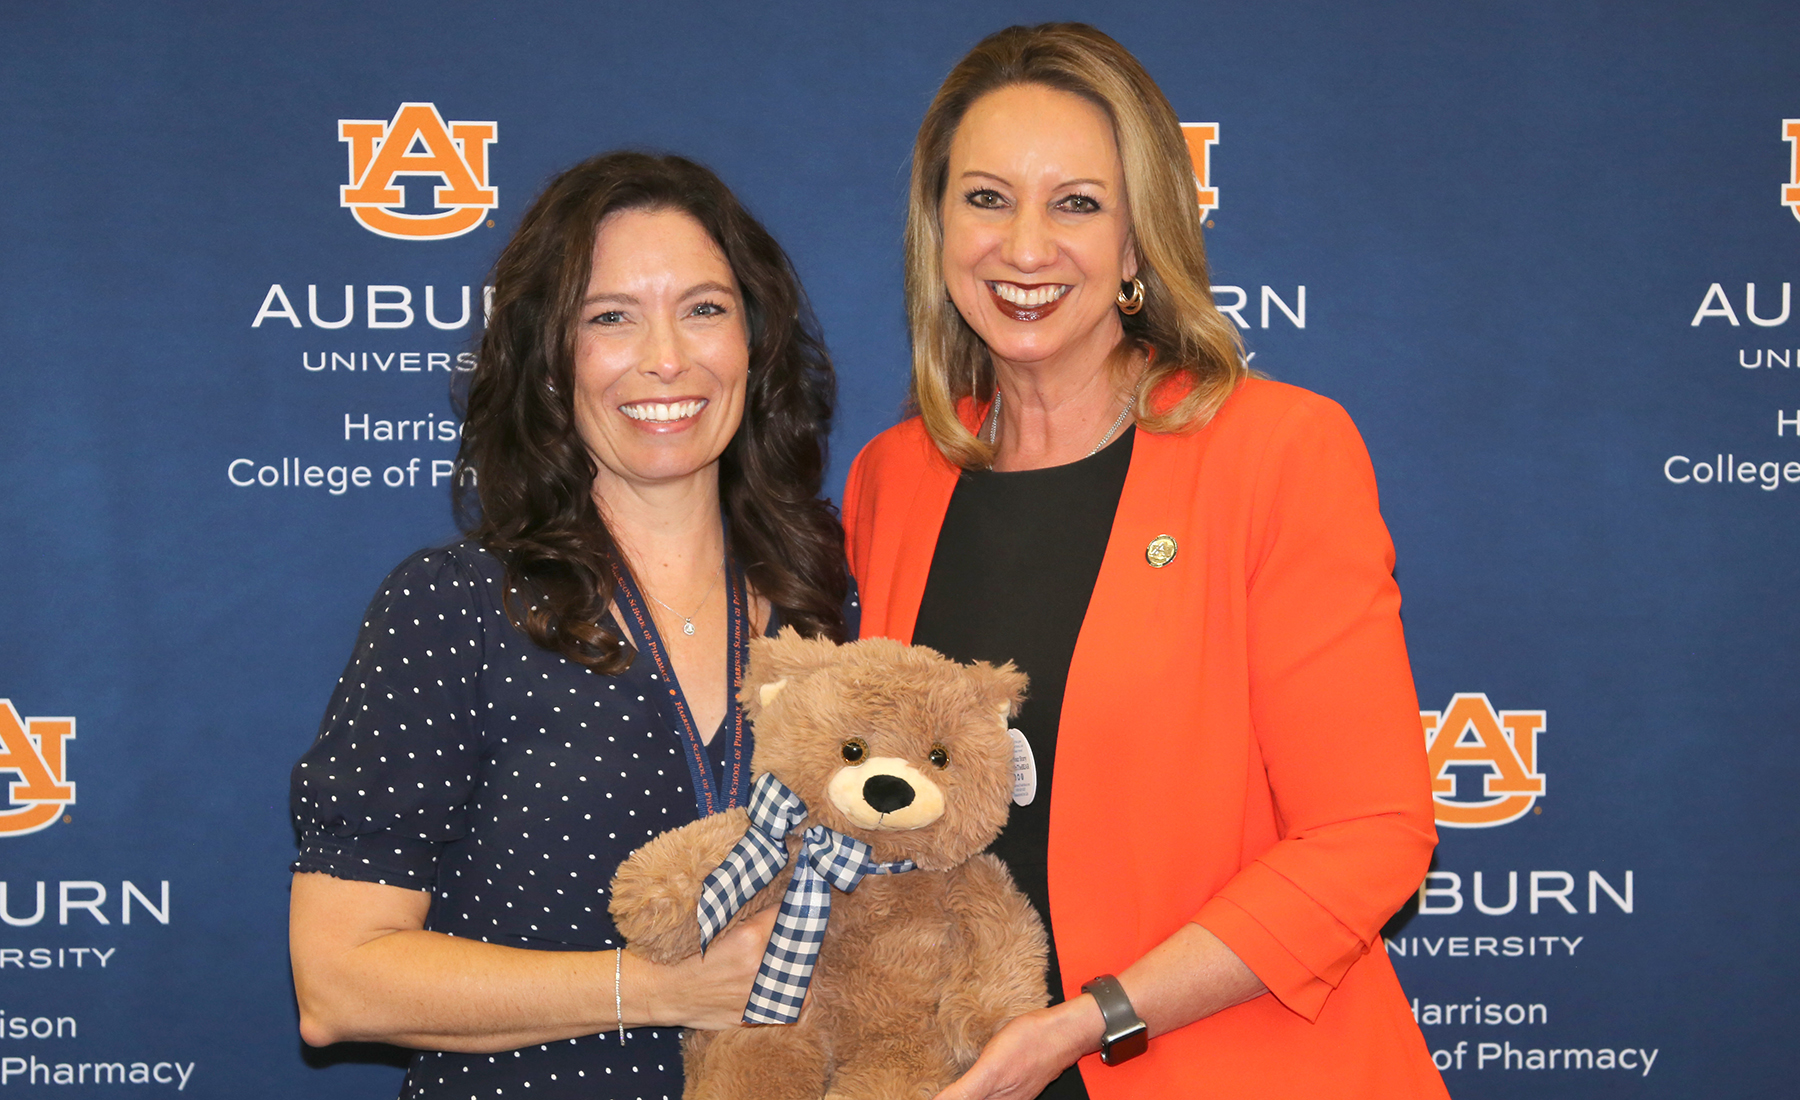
(883, 772)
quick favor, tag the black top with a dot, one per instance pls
(1015, 564)
(458, 757)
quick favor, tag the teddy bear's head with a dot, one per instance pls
(895, 745)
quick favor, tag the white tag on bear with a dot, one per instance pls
(1024, 770)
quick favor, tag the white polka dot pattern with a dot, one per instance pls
(458, 757)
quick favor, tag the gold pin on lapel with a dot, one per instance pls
(1160, 552)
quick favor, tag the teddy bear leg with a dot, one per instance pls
(776, 1062)
(892, 1067)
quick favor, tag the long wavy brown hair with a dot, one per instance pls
(524, 481)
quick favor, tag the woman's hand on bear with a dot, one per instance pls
(1029, 1052)
(704, 991)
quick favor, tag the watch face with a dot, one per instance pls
(1127, 1046)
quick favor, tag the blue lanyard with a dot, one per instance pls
(672, 704)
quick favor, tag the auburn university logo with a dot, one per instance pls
(418, 143)
(1496, 747)
(1790, 193)
(1201, 137)
(35, 750)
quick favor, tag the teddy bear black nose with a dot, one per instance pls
(887, 793)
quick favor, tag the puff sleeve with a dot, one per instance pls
(389, 779)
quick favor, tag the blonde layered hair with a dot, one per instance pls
(1195, 356)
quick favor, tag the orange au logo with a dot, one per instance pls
(34, 750)
(1498, 745)
(1201, 137)
(1790, 193)
(418, 143)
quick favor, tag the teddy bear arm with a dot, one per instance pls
(657, 889)
(1002, 951)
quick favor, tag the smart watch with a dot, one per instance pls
(1126, 1035)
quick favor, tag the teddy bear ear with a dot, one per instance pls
(774, 662)
(1002, 688)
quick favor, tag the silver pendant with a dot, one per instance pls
(687, 626)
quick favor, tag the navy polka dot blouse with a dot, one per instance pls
(460, 758)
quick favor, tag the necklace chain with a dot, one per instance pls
(687, 621)
(994, 431)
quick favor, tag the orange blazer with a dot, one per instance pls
(1239, 743)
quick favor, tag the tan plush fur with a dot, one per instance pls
(918, 969)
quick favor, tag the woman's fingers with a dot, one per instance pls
(710, 991)
(1021, 1058)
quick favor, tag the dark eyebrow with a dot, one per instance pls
(631, 300)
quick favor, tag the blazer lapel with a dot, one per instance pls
(923, 520)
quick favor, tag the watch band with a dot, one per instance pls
(1126, 1036)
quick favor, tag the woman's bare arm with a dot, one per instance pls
(365, 969)
(1187, 977)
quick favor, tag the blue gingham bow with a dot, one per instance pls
(827, 858)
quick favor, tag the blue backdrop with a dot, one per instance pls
(1544, 260)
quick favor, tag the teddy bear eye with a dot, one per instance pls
(939, 756)
(855, 750)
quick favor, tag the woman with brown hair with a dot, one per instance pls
(1230, 791)
(640, 466)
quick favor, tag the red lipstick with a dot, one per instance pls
(1024, 313)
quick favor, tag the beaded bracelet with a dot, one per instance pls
(618, 995)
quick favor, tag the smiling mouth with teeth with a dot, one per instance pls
(663, 412)
(1027, 303)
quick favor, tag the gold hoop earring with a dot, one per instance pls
(1134, 301)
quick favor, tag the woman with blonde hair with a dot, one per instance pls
(1230, 793)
